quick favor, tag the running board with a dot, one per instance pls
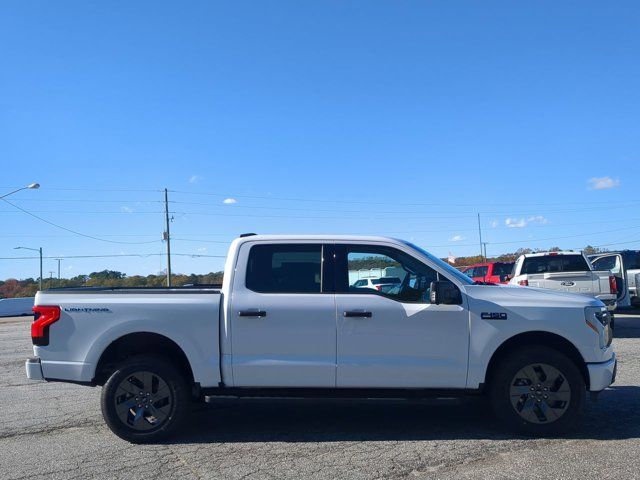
(230, 393)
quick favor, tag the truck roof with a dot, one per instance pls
(550, 254)
(328, 237)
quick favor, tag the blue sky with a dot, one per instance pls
(397, 118)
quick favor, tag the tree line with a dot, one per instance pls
(28, 287)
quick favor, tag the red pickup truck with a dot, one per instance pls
(490, 272)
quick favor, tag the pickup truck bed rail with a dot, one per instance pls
(212, 288)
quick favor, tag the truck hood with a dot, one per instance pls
(529, 296)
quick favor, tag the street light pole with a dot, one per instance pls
(31, 186)
(39, 250)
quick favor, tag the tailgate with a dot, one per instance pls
(575, 282)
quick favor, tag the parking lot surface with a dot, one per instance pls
(56, 431)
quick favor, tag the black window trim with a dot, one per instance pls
(327, 266)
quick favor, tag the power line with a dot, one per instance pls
(87, 200)
(74, 231)
(367, 202)
(303, 199)
(115, 255)
(394, 212)
(96, 212)
(94, 189)
(377, 232)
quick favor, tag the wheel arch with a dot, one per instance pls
(547, 339)
(141, 343)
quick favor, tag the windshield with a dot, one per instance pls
(445, 266)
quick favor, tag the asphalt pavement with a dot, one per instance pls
(56, 431)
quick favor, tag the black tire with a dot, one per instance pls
(531, 408)
(162, 411)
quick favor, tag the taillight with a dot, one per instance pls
(613, 286)
(45, 315)
(523, 283)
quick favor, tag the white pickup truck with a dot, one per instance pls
(625, 265)
(566, 271)
(287, 322)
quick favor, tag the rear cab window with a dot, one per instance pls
(554, 263)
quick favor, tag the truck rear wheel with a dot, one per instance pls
(145, 399)
(538, 391)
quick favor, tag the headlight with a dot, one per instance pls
(598, 320)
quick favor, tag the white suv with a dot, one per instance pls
(382, 284)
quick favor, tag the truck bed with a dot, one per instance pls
(93, 318)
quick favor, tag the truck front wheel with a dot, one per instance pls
(145, 399)
(538, 391)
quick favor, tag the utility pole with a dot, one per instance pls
(58, 260)
(167, 236)
(480, 234)
(39, 250)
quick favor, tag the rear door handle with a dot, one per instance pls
(358, 313)
(252, 313)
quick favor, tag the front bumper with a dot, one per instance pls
(34, 369)
(601, 375)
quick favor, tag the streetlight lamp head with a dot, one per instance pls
(33, 186)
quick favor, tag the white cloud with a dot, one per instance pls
(493, 223)
(457, 238)
(538, 219)
(523, 222)
(195, 178)
(127, 209)
(603, 183)
(515, 222)
(229, 201)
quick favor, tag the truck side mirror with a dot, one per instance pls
(444, 293)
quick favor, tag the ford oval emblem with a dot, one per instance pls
(567, 284)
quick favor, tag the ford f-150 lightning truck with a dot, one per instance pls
(287, 322)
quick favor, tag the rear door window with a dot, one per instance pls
(284, 268)
(481, 271)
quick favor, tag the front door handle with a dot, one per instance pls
(358, 313)
(252, 313)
